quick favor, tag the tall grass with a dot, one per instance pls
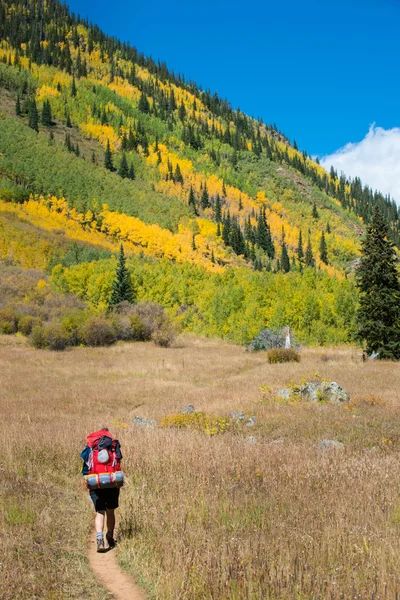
(258, 513)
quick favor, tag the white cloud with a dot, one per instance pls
(376, 160)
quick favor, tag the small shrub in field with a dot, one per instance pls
(56, 338)
(72, 325)
(37, 337)
(164, 334)
(138, 330)
(199, 421)
(97, 331)
(8, 321)
(26, 323)
(152, 316)
(283, 355)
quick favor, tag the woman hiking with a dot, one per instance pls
(103, 476)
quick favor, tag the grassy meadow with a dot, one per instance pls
(255, 512)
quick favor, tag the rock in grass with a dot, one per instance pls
(237, 416)
(331, 445)
(251, 422)
(188, 410)
(144, 423)
(316, 391)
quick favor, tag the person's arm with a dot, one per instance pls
(85, 457)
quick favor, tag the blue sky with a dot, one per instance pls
(322, 71)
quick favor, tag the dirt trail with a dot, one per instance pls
(105, 566)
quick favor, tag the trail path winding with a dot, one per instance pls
(106, 569)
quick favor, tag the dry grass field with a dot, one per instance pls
(202, 517)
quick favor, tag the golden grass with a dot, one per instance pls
(202, 517)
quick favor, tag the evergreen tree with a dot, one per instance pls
(94, 161)
(144, 105)
(46, 114)
(205, 198)
(178, 175)
(379, 286)
(192, 200)
(122, 289)
(226, 230)
(218, 213)
(285, 262)
(309, 259)
(323, 250)
(132, 174)
(328, 228)
(108, 159)
(33, 116)
(73, 87)
(300, 251)
(315, 214)
(68, 122)
(18, 110)
(123, 170)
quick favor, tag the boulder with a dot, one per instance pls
(237, 416)
(188, 410)
(316, 391)
(251, 422)
(331, 445)
(144, 423)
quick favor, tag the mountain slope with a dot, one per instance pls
(115, 148)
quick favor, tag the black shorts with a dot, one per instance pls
(103, 499)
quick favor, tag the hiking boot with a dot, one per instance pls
(100, 545)
(110, 541)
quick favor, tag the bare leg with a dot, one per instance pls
(99, 521)
(110, 521)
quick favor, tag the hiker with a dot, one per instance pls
(102, 474)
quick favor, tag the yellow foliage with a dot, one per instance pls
(103, 133)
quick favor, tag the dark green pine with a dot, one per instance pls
(47, 120)
(123, 170)
(18, 110)
(131, 174)
(108, 160)
(285, 262)
(73, 88)
(323, 250)
(309, 258)
(379, 286)
(192, 200)
(33, 116)
(122, 289)
(205, 198)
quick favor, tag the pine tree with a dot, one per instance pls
(218, 213)
(122, 289)
(315, 214)
(94, 161)
(46, 114)
(33, 116)
(108, 160)
(309, 259)
(18, 110)
(123, 170)
(379, 285)
(323, 250)
(144, 105)
(131, 174)
(178, 175)
(73, 87)
(285, 262)
(328, 228)
(205, 198)
(192, 200)
(68, 122)
(300, 251)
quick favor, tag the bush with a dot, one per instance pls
(26, 323)
(73, 325)
(37, 337)
(8, 321)
(138, 329)
(151, 315)
(56, 338)
(98, 332)
(283, 355)
(198, 420)
(164, 334)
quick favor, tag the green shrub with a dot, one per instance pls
(8, 321)
(26, 323)
(138, 329)
(164, 334)
(37, 337)
(98, 331)
(283, 355)
(56, 338)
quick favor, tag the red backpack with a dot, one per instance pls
(104, 461)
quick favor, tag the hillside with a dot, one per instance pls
(99, 145)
